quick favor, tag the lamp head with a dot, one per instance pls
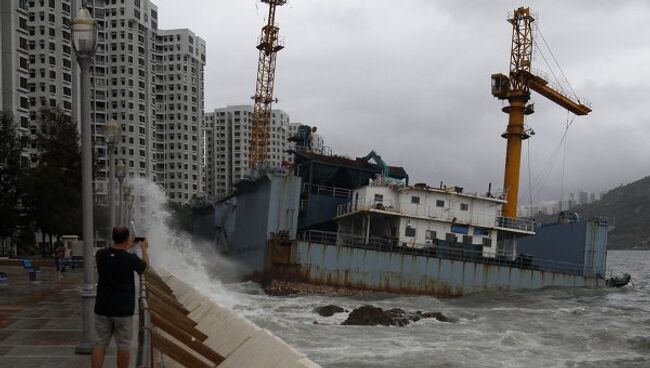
(113, 132)
(120, 170)
(84, 34)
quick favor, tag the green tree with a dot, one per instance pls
(12, 145)
(54, 184)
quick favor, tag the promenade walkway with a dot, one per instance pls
(40, 322)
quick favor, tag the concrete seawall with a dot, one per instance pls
(240, 342)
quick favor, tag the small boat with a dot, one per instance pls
(619, 280)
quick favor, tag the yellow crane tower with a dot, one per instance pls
(268, 47)
(516, 89)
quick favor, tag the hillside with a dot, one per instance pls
(628, 209)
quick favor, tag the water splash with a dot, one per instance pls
(196, 263)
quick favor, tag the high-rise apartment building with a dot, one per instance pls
(35, 60)
(148, 80)
(227, 132)
(181, 111)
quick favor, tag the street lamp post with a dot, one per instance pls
(129, 199)
(113, 133)
(84, 37)
(120, 173)
(125, 205)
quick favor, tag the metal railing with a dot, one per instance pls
(362, 205)
(443, 249)
(322, 190)
(144, 357)
(516, 224)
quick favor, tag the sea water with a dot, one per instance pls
(555, 327)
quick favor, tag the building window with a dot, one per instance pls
(409, 231)
(430, 235)
(451, 237)
(460, 229)
(415, 199)
(440, 203)
(481, 231)
(464, 207)
(467, 239)
(379, 198)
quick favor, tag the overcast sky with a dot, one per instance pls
(411, 79)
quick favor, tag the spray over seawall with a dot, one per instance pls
(197, 263)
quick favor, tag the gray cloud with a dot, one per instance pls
(411, 80)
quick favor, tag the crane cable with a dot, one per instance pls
(547, 169)
(530, 192)
(568, 124)
(556, 63)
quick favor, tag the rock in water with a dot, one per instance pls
(369, 315)
(329, 310)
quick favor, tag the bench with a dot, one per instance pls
(31, 269)
(3, 278)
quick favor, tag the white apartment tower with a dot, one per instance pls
(180, 108)
(227, 134)
(14, 61)
(150, 81)
(36, 60)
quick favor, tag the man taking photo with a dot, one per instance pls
(115, 303)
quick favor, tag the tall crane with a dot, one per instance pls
(516, 89)
(268, 46)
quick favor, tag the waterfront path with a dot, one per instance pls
(40, 322)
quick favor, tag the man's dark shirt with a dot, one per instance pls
(116, 284)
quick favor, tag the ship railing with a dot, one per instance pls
(516, 223)
(362, 205)
(327, 237)
(323, 190)
(442, 249)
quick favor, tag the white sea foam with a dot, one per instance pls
(193, 262)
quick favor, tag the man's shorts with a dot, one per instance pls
(120, 327)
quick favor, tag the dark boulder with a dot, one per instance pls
(329, 310)
(369, 315)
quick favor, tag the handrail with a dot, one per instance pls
(144, 357)
(328, 191)
(516, 223)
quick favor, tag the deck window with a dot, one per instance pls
(430, 235)
(415, 199)
(464, 207)
(409, 231)
(481, 231)
(440, 203)
(460, 229)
